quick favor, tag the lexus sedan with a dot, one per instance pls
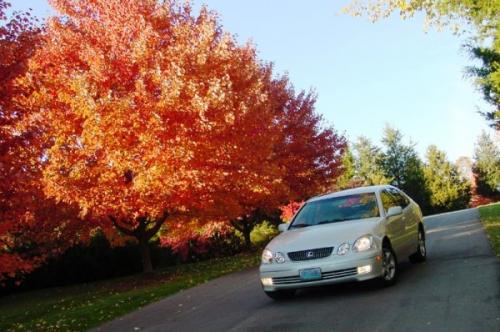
(351, 235)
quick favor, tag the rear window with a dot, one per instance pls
(337, 209)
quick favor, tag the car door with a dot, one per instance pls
(395, 226)
(409, 237)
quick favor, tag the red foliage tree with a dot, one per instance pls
(307, 153)
(289, 210)
(149, 113)
(194, 240)
(32, 228)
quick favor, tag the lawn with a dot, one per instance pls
(81, 307)
(490, 217)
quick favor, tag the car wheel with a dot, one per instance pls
(421, 253)
(280, 295)
(389, 267)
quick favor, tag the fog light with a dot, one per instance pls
(268, 281)
(364, 269)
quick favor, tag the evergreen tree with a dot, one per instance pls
(487, 165)
(402, 165)
(448, 191)
(348, 170)
(367, 163)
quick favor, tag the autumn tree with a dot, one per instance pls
(479, 18)
(149, 113)
(289, 210)
(448, 191)
(486, 166)
(18, 39)
(32, 227)
(194, 240)
(310, 151)
(307, 153)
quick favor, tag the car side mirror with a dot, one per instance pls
(394, 211)
(283, 227)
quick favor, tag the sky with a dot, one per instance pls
(366, 75)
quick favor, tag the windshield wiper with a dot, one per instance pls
(300, 225)
(330, 221)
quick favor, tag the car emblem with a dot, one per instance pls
(310, 254)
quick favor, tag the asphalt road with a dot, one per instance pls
(457, 289)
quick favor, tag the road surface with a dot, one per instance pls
(457, 289)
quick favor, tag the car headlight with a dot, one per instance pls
(267, 256)
(279, 257)
(343, 249)
(363, 243)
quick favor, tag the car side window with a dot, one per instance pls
(400, 198)
(388, 200)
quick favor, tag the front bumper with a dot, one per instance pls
(334, 269)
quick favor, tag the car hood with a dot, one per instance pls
(320, 236)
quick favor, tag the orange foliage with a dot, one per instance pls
(32, 227)
(133, 112)
(148, 109)
(289, 210)
(310, 152)
(149, 112)
(307, 153)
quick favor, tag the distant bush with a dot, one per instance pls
(97, 261)
(263, 233)
(191, 243)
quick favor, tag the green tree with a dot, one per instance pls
(401, 164)
(479, 18)
(367, 163)
(487, 77)
(486, 165)
(448, 191)
(348, 170)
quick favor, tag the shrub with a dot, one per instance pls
(263, 233)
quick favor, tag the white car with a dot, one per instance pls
(351, 235)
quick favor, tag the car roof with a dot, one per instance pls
(353, 191)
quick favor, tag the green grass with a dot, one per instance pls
(490, 217)
(80, 307)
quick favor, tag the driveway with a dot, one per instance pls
(457, 289)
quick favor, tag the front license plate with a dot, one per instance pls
(310, 274)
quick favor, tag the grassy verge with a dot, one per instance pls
(81, 307)
(490, 217)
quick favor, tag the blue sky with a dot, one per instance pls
(366, 75)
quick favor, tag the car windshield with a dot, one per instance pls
(337, 209)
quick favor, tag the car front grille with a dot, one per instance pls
(324, 276)
(305, 255)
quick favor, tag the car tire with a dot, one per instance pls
(421, 254)
(280, 295)
(389, 267)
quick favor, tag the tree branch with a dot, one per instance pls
(159, 222)
(122, 228)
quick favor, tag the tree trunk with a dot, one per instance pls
(246, 236)
(245, 226)
(142, 233)
(147, 265)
